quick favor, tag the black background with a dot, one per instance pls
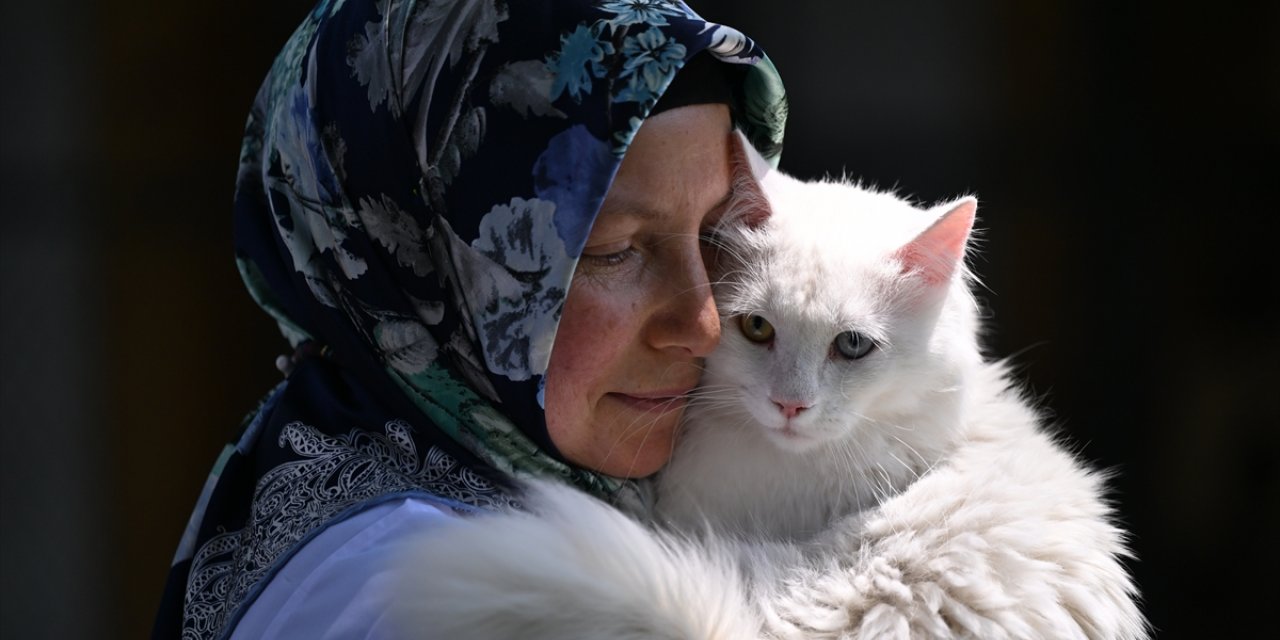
(1124, 154)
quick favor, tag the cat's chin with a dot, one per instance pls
(788, 438)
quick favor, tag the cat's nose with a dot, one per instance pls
(790, 409)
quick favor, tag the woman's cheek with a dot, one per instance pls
(592, 328)
(588, 360)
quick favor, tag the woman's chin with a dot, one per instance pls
(640, 454)
(642, 463)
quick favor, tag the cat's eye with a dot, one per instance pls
(756, 328)
(853, 345)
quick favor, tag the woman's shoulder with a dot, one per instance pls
(339, 583)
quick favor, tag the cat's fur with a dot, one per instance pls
(915, 496)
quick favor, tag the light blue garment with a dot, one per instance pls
(341, 583)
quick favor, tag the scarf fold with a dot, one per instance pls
(416, 183)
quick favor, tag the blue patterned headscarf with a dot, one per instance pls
(416, 184)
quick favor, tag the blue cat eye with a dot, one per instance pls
(755, 328)
(853, 345)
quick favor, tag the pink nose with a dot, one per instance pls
(790, 409)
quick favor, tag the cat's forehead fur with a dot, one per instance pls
(837, 213)
(824, 255)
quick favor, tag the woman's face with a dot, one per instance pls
(639, 316)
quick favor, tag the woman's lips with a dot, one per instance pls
(660, 401)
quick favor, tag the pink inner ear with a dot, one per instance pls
(935, 253)
(748, 204)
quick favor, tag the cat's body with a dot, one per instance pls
(852, 469)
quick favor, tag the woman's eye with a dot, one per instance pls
(607, 260)
(756, 328)
(853, 345)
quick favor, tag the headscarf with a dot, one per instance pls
(416, 183)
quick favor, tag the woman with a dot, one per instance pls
(418, 185)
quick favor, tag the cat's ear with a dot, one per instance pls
(744, 153)
(748, 204)
(938, 250)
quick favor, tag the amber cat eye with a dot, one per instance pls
(756, 328)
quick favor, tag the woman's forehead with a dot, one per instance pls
(698, 131)
(679, 161)
(660, 211)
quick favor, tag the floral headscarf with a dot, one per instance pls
(416, 184)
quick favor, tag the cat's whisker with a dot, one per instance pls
(712, 392)
(644, 422)
(924, 462)
(852, 472)
(640, 447)
(900, 462)
(877, 422)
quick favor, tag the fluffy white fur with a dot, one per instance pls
(572, 569)
(1009, 537)
(915, 495)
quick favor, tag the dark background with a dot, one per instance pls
(1124, 153)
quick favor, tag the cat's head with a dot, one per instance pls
(845, 309)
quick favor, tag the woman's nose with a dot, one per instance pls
(687, 319)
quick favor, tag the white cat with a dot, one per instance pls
(849, 338)
(852, 467)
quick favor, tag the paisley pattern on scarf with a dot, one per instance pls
(416, 182)
(332, 475)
